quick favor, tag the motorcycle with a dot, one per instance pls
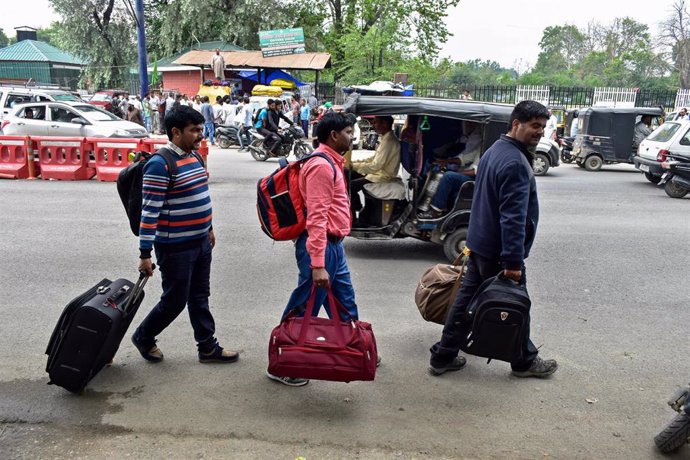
(567, 149)
(677, 432)
(676, 179)
(293, 142)
(227, 135)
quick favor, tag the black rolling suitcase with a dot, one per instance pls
(90, 330)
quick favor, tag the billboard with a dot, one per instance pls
(281, 42)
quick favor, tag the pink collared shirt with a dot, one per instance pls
(327, 202)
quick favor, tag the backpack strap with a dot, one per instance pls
(322, 155)
(170, 160)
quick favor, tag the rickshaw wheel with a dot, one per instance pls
(541, 164)
(674, 190)
(593, 163)
(454, 243)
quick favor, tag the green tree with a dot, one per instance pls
(102, 33)
(675, 34)
(4, 40)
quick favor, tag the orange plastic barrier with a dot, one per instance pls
(63, 158)
(203, 151)
(110, 155)
(151, 145)
(15, 153)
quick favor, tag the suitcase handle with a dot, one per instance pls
(137, 291)
(336, 309)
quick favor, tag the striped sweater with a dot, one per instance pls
(180, 214)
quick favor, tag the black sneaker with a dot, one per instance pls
(289, 381)
(540, 368)
(455, 365)
(149, 353)
(219, 355)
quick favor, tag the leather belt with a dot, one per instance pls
(330, 238)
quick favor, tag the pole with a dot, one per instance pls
(141, 39)
(316, 86)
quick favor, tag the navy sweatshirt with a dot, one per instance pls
(505, 208)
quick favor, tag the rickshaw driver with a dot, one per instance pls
(642, 129)
(382, 167)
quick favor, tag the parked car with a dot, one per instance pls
(607, 135)
(104, 98)
(671, 137)
(12, 95)
(74, 119)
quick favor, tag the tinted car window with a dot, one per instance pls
(14, 99)
(686, 139)
(62, 115)
(33, 113)
(64, 97)
(101, 97)
(665, 133)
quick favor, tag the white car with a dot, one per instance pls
(72, 119)
(671, 137)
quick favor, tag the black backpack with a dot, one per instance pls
(496, 319)
(129, 183)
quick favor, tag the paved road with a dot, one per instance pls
(607, 276)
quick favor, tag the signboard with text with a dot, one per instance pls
(281, 42)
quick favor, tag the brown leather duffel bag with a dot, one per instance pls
(437, 288)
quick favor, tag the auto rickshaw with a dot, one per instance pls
(607, 135)
(391, 210)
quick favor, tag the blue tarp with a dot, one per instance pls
(276, 74)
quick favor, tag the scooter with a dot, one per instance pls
(676, 179)
(293, 142)
(677, 432)
(227, 135)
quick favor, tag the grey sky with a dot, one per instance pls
(505, 31)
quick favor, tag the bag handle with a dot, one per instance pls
(466, 252)
(335, 311)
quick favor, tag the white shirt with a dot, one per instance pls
(551, 127)
(218, 114)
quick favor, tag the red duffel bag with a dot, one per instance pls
(321, 348)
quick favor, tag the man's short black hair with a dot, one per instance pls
(528, 110)
(332, 121)
(180, 117)
(386, 119)
(269, 102)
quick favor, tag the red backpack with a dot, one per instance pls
(281, 209)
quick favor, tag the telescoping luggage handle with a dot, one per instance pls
(136, 292)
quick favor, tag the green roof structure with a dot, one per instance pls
(36, 51)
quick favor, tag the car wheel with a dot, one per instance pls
(593, 163)
(540, 164)
(674, 190)
(652, 178)
(224, 143)
(454, 243)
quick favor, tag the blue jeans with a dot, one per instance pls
(186, 282)
(305, 127)
(209, 132)
(339, 275)
(447, 191)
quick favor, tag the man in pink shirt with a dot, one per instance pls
(319, 251)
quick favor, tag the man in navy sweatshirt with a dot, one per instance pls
(503, 223)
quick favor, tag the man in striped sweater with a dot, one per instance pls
(176, 223)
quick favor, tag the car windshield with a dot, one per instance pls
(664, 133)
(101, 97)
(65, 97)
(93, 113)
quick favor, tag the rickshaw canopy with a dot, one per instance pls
(479, 112)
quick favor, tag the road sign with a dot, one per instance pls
(281, 42)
